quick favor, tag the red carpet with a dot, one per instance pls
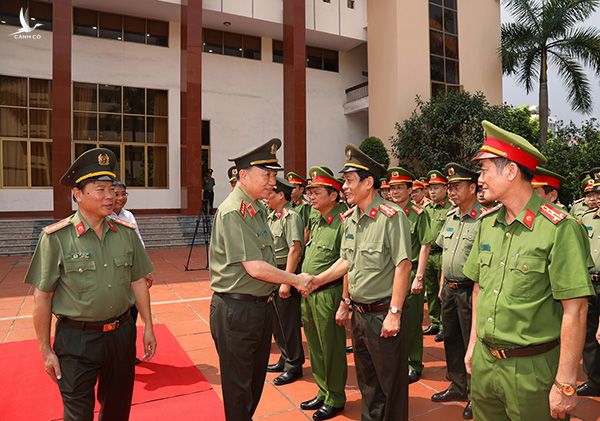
(167, 387)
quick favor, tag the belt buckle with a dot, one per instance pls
(109, 327)
(359, 308)
(453, 285)
(498, 353)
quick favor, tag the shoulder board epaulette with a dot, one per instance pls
(346, 214)
(285, 212)
(124, 223)
(490, 210)
(451, 211)
(578, 200)
(57, 226)
(553, 214)
(387, 210)
(418, 209)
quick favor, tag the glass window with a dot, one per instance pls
(134, 29)
(80, 148)
(205, 133)
(111, 26)
(84, 126)
(109, 127)
(277, 51)
(436, 2)
(436, 43)
(212, 41)
(133, 129)
(14, 168)
(133, 100)
(84, 96)
(110, 98)
(437, 88)
(117, 151)
(40, 93)
(437, 69)
(157, 166)
(435, 17)
(450, 3)
(13, 122)
(134, 166)
(451, 71)
(41, 12)
(450, 21)
(252, 47)
(451, 46)
(443, 45)
(158, 131)
(157, 102)
(9, 12)
(330, 60)
(40, 124)
(13, 91)
(232, 44)
(85, 22)
(314, 57)
(158, 33)
(41, 164)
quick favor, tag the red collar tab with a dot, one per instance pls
(528, 218)
(278, 214)
(80, 228)
(329, 218)
(407, 211)
(112, 226)
(500, 148)
(243, 209)
(298, 202)
(553, 214)
(545, 180)
(251, 209)
(373, 213)
(473, 213)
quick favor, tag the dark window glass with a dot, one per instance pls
(435, 17)
(330, 60)
(84, 96)
(158, 33)
(212, 41)
(437, 88)
(85, 22)
(157, 166)
(110, 99)
(450, 21)
(451, 71)
(13, 122)
(157, 102)
(134, 166)
(277, 51)
(436, 2)
(314, 57)
(451, 46)
(158, 130)
(84, 126)
(437, 68)
(40, 124)
(453, 88)
(205, 133)
(15, 168)
(133, 100)
(252, 47)
(80, 148)
(109, 127)
(40, 93)
(13, 91)
(9, 11)
(41, 164)
(111, 26)
(232, 44)
(436, 43)
(134, 29)
(41, 13)
(450, 3)
(133, 129)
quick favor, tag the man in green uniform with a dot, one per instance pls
(288, 239)
(384, 189)
(232, 175)
(298, 202)
(591, 349)
(417, 193)
(243, 277)
(437, 209)
(325, 339)
(418, 219)
(88, 270)
(546, 184)
(581, 206)
(375, 254)
(456, 239)
(529, 260)
(208, 185)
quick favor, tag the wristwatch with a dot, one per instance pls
(419, 278)
(347, 301)
(566, 388)
(394, 310)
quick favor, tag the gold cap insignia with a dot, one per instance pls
(395, 174)
(314, 174)
(290, 177)
(348, 155)
(274, 149)
(451, 171)
(103, 159)
(234, 171)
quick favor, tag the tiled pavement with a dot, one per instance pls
(181, 302)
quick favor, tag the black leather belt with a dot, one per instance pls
(244, 297)
(459, 283)
(377, 306)
(595, 277)
(435, 251)
(105, 326)
(526, 351)
(329, 285)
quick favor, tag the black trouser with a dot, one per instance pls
(134, 316)
(286, 331)
(242, 332)
(88, 356)
(209, 196)
(456, 320)
(381, 367)
(591, 349)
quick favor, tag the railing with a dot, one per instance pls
(357, 92)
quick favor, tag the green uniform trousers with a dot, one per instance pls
(86, 357)
(456, 320)
(432, 288)
(591, 350)
(242, 332)
(326, 344)
(514, 389)
(286, 331)
(414, 327)
(381, 367)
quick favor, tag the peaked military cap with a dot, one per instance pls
(384, 184)
(232, 173)
(282, 185)
(320, 177)
(502, 143)
(456, 172)
(587, 184)
(417, 184)
(327, 170)
(594, 173)
(424, 181)
(263, 156)
(399, 175)
(544, 177)
(95, 164)
(436, 177)
(357, 160)
(296, 179)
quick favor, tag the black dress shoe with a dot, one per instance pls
(349, 349)
(587, 390)
(449, 395)
(431, 330)
(439, 337)
(468, 411)
(413, 376)
(312, 404)
(286, 377)
(275, 368)
(325, 412)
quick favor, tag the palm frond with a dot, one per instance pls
(529, 70)
(575, 80)
(582, 44)
(517, 41)
(524, 10)
(558, 16)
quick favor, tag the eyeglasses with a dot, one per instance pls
(125, 194)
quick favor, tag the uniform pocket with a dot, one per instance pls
(371, 256)
(80, 276)
(122, 268)
(527, 277)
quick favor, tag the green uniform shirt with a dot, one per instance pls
(323, 247)
(286, 228)
(208, 183)
(579, 208)
(523, 270)
(90, 277)
(302, 208)
(418, 221)
(373, 244)
(240, 233)
(456, 240)
(437, 218)
(591, 222)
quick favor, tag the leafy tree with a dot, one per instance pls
(546, 32)
(375, 149)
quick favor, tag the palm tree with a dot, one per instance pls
(546, 32)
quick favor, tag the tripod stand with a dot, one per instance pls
(206, 231)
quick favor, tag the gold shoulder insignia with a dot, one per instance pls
(387, 210)
(490, 210)
(346, 214)
(57, 225)
(554, 215)
(452, 211)
(417, 209)
(124, 223)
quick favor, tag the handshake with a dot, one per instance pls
(306, 284)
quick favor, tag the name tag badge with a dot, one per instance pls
(485, 247)
(350, 236)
